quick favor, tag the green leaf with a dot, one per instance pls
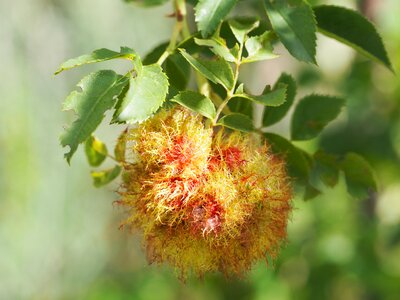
(218, 71)
(102, 178)
(98, 94)
(259, 48)
(240, 28)
(242, 106)
(312, 114)
(273, 98)
(360, 178)
(210, 13)
(218, 46)
(274, 114)
(295, 25)
(96, 151)
(297, 162)
(98, 55)
(240, 89)
(189, 44)
(244, 26)
(353, 29)
(192, 2)
(326, 167)
(310, 192)
(119, 100)
(237, 121)
(177, 70)
(196, 102)
(175, 66)
(120, 147)
(154, 54)
(147, 2)
(147, 92)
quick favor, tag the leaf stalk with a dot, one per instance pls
(231, 92)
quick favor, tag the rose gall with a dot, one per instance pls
(204, 201)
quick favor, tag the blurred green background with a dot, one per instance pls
(59, 236)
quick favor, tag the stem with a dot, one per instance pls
(113, 158)
(163, 57)
(180, 6)
(120, 162)
(231, 91)
(180, 26)
(202, 83)
(220, 108)
(216, 99)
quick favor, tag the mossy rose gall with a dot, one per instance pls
(204, 201)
